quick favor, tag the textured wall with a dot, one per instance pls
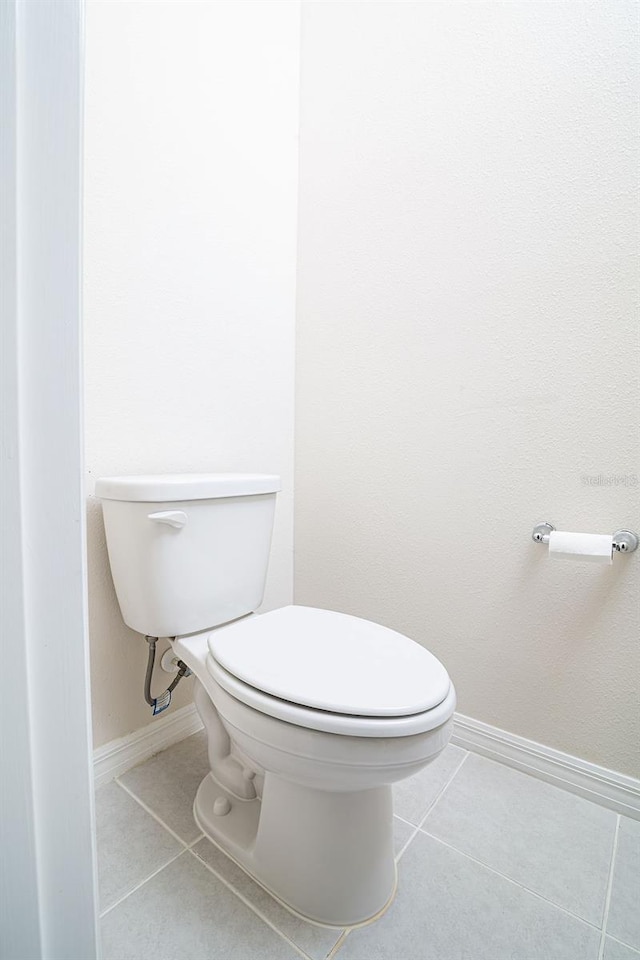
(190, 216)
(467, 349)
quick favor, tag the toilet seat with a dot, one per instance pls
(332, 672)
(342, 724)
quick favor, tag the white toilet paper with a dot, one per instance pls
(592, 547)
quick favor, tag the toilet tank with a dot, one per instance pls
(188, 551)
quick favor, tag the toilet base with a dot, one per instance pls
(327, 857)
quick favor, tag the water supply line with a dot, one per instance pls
(161, 703)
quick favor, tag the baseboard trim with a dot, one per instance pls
(598, 784)
(115, 758)
(607, 787)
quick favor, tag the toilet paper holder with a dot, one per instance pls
(624, 541)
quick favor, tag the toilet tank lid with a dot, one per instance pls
(167, 487)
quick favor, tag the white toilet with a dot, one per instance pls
(310, 714)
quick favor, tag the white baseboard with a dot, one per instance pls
(606, 787)
(115, 758)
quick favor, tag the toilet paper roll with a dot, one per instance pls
(590, 547)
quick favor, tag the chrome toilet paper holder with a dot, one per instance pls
(624, 541)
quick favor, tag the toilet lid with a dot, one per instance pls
(331, 661)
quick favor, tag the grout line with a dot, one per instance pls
(442, 791)
(607, 900)
(251, 906)
(515, 883)
(193, 842)
(404, 820)
(155, 816)
(338, 945)
(412, 837)
(141, 884)
(633, 950)
(416, 827)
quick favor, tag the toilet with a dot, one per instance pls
(310, 715)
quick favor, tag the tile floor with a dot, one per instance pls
(493, 865)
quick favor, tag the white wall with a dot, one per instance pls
(190, 217)
(467, 347)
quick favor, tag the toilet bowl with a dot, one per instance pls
(299, 795)
(311, 715)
